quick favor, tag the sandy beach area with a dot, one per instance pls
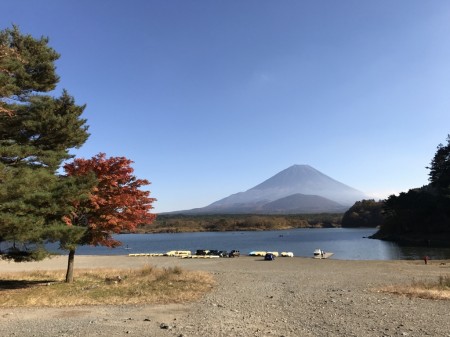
(285, 297)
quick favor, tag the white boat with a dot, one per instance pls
(257, 253)
(178, 253)
(320, 254)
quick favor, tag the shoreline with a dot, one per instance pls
(59, 262)
(413, 241)
(288, 297)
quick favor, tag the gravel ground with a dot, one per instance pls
(285, 297)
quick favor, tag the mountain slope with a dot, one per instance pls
(304, 187)
(302, 179)
(301, 204)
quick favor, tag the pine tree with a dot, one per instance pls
(440, 169)
(36, 133)
(26, 67)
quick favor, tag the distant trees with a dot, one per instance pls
(116, 203)
(364, 213)
(170, 223)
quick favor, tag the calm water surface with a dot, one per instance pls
(346, 244)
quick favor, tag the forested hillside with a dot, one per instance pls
(421, 216)
(364, 213)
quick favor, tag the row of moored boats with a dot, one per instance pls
(209, 254)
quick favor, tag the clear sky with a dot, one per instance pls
(210, 98)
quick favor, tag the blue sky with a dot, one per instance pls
(210, 98)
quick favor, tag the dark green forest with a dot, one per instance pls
(364, 213)
(421, 216)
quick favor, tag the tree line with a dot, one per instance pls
(173, 223)
(93, 199)
(420, 216)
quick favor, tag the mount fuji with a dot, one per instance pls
(297, 189)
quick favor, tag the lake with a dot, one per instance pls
(345, 243)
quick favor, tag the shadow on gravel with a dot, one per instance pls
(21, 284)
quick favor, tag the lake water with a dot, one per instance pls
(346, 244)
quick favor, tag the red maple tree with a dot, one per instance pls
(116, 203)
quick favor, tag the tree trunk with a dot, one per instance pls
(69, 274)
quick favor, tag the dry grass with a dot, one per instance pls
(101, 286)
(439, 290)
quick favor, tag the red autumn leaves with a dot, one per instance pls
(116, 203)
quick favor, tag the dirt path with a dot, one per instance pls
(285, 297)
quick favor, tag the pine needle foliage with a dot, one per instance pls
(37, 131)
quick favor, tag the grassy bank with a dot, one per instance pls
(103, 286)
(438, 290)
